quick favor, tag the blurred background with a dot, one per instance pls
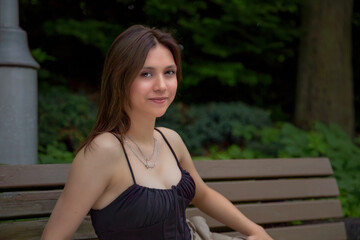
(262, 79)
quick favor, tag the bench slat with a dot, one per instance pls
(32, 230)
(237, 191)
(40, 203)
(33, 176)
(323, 231)
(28, 204)
(263, 168)
(281, 211)
(326, 231)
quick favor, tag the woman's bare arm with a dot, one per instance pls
(89, 176)
(211, 202)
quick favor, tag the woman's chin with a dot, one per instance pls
(160, 113)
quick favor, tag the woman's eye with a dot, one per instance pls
(170, 72)
(146, 74)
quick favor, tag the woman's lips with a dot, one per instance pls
(158, 100)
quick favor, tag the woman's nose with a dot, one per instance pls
(160, 83)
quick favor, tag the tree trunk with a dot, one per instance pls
(325, 83)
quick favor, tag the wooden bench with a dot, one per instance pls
(294, 199)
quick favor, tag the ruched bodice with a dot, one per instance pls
(147, 213)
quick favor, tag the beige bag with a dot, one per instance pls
(200, 231)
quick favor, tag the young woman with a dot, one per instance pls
(136, 180)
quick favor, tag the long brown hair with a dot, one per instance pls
(123, 62)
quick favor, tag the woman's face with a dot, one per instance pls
(154, 88)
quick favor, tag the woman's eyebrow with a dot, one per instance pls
(171, 66)
(152, 68)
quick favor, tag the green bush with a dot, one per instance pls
(203, 125)
(65, 119)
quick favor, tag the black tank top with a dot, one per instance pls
(147, 213)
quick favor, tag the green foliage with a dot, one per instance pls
(357, 140)
(203, 125)
(65, 119)
(227, 73)
(90, 32)
(55, 152)
(260, 29)
(251, 27)
(43, 74)
(41, 56)
(285, 141)
(246, 45)
(356, 19)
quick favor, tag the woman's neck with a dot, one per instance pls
(142, 129)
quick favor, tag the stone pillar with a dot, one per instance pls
(18, 90)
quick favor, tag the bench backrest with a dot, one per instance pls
(293, 198)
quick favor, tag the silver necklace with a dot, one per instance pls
(147, 162)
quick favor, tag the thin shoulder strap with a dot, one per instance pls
(171, 149)
(126, 156)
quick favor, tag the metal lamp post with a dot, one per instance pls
(18, 90)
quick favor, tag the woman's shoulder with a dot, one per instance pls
(176, 143)
(174, 139)
(106, 141)
(170, 134)
(96, 164)
(104, 147)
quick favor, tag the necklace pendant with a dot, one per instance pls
(147, 162)
(149, 165)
